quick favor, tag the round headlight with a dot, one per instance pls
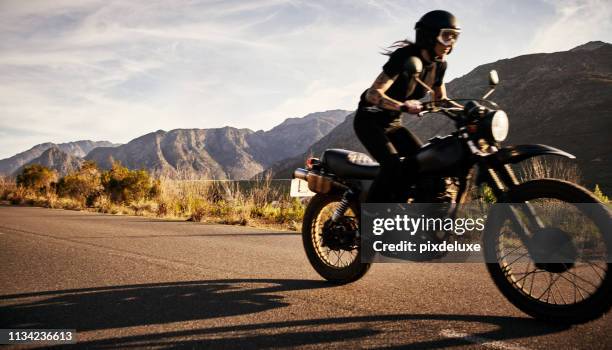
(499, 126)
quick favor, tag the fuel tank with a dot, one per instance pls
(441, 155)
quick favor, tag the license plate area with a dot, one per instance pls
(299, 188)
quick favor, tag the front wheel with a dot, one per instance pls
(571, 291)
(333, 248)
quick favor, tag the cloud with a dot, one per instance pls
(115, 70)
(574, 23)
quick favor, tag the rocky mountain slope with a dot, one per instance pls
(562, 99)
(74, 149)
(55, 158)
(220, 153)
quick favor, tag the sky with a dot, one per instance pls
(115, 70)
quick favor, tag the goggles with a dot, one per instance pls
(448, 36)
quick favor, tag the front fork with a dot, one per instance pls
(502, 180)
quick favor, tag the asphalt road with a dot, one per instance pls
(131, 282)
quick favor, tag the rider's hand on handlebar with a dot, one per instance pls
(413, 106)
(446, 103)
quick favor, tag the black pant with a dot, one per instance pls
(387, 140)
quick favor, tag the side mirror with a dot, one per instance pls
(414, 66)
(493, 81)
(493, 78)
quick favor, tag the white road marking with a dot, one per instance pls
(493, 344)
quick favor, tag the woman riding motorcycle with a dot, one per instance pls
(377, 121)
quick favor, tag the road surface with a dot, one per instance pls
(145, 283)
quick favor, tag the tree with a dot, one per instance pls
(127, 186)
(37, 178)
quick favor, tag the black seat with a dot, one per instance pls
(349, 164)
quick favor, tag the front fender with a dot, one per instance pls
(515, 154)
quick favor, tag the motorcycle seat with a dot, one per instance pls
(349, 164)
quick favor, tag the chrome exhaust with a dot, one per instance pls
(318, 183)
(301, 174)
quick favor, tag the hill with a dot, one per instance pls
(561, 99)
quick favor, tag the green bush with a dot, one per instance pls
(127, 186)
(37, 178)
(600, 195)
(84, 185)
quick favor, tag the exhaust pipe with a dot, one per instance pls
(301, 174)
(316, 182)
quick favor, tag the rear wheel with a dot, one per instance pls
(333, 248)
(572, 291)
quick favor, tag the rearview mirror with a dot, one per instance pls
(493, 78)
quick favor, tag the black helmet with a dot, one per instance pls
(429, 26)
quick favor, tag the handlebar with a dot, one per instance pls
(451, 112)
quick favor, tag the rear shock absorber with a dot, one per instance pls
(343, 206)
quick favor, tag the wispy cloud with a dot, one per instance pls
(574, 23)
(117, 69)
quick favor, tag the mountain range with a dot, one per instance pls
(563, 99)
(41, 154)
(219, 153)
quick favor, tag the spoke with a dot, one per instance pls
(560, 294)
(594, 269)
(578, 287)
(340, 256)
(528, 264)
(574, 283)
(514, 250)
(580, 278)
(549, 286)
(347, 262)
(532, 279)
(550, 289)
(530, 273)
(334, 258)
(517, 259)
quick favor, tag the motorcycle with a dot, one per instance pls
(574, 291)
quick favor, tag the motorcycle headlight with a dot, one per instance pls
(499, 125)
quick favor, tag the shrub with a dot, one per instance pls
(162, 209)
(18, 196)
(7, 187)
(103, 204)
(127, 186)
(487, 195)
(600, 195)
(197, 210)
(141, 208)
(69, 203)
(37, 178)
(84, 185)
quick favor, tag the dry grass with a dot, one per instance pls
(263, 203)
(255, 203)
(549, 167)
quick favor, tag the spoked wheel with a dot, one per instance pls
(559, 271)
(333, 248)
